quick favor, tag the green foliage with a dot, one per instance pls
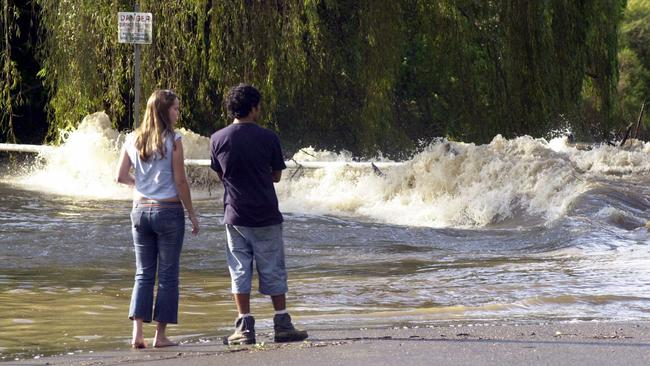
(600, 96)
(22, 96)
(10, 76)
(359, 75)
(634, 56)
(85, 69)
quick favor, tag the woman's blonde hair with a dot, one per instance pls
(155, 126)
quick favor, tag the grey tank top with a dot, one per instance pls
(154, 178)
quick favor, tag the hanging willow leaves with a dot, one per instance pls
(85, 69)
(10, 76)
(358, 75)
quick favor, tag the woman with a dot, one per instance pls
(155, 153)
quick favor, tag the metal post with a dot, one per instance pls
(136, 66)
(136, 100)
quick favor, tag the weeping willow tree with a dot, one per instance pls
(634, 56)
(85, 69)
(510, 66)
(10, 76)
(352, 58)
(199, 49)
(602, 66)
(22, 96)
(360, 75)
(554, 49)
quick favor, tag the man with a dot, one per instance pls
(248, 160)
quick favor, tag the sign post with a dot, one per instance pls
(135, 28)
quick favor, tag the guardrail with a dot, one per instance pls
(34, 149)
(312, 164)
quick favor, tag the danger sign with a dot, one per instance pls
(134, 27)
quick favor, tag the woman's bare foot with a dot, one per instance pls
(137, 341)
(163, 342)
(138, 344)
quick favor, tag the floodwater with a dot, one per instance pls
(517, 230)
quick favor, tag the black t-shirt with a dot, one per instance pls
(246, 155)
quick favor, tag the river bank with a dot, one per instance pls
(582, 343)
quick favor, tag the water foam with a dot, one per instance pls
(447, 184)
(85, 164)
(631, 159)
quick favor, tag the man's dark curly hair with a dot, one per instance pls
(241, 99)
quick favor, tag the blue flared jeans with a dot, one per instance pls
(158, 229)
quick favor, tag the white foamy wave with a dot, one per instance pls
(620, 218)
(448, 184)
(311, 154)
(195, 146)
(85, 164)
(631, 159)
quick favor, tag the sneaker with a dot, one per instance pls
(244, 332)
(284, 330)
